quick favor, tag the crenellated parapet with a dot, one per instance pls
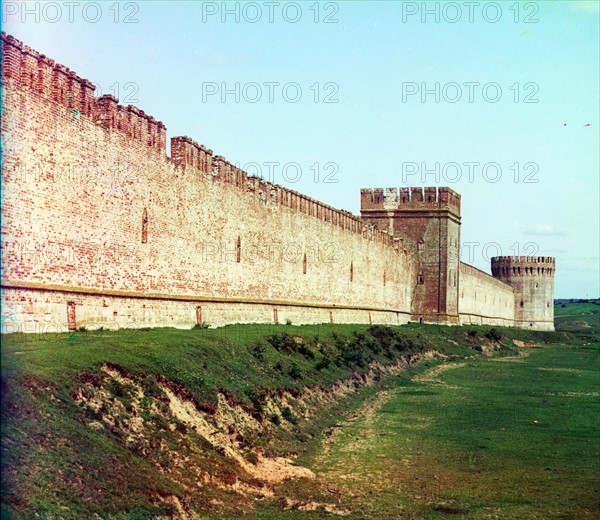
(37, 73)
(428, 198)
(186, 151)
(130, 120)
(506, 266)
(29, 70)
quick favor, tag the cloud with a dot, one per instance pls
(546, 230)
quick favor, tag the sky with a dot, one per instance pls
(497, 100)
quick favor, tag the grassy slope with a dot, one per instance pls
(55, 465)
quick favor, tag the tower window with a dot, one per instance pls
(238, 250)
(421, 278)
(420, 246)
(304, 264)
(521, 304)
(351, 271)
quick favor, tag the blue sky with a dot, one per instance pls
(170, 56)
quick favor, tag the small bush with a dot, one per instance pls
(323, 363)
(295, 372)
(288, 322)
(287, 414)
(252, 458)
(275, 419)
(282, 342)
(472, 333)
(493, 334)
(258, 398)
(258, 351)
(305, 351)
(200, 326)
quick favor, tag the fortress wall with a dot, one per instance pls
(483, 300)
(42, 311)
(95, 211)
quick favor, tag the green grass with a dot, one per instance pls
(580, 318)
(492, 438)
(55, 466)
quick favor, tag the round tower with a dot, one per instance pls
(532, 279)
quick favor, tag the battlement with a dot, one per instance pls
(507, 266)
(30, 70)
(37, 73)
(184, 150)
(276, 194)
(430, 198)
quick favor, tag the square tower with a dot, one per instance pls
(428, 221)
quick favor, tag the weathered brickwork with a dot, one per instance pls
(101, 228)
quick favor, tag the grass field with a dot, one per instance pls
(577, 317)
(490, 438)
(90, 428)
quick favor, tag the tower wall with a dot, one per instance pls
(427, 220)
(532, 278)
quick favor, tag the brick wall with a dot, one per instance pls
(101, 228)
(95, 211)
(483, 300)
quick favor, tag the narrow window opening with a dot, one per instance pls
(351, 271)
(420, 246)
(145, 227)
(304, 264)
(521, 304)
(238, 250)
(384, 278)
(421, 278)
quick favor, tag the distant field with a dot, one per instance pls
(577, 317)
